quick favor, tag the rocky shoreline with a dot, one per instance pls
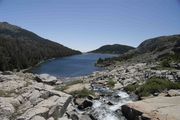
(100, 96)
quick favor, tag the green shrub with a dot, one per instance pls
(99, 61)
(165, 63)
(170, 58)
(153, 85)
(82, 93)
(131, 87)
(175, 57)
(111, 83)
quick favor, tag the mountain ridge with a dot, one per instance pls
(163, 48)
(113, 49)
(20, 48)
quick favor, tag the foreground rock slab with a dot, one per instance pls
(158, 108)
(46, 78)
(22, 98)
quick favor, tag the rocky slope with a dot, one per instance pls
(108, 94)
(159, 44)
(113, 49)
(131, 75)
(25, 96)
(160, 47)
(22, 98)
(20, 48)
(152, 50)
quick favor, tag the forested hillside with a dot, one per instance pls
(113, 49)
(165, 49)
(21, 49)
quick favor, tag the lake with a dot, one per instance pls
(72, 66)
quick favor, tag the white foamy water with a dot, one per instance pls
(117, 106)
(123, 94)
(125, 98)
(96, 104)
(102, 111)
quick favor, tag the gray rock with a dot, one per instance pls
(129, 81)
(46, 78)
(34, 97)
(45, 94)
(7, 73)
(11, 83)
(32, 101)
(10, 100)
(85, 117)
(175, 65)
(170, 77)
(40, 109)
(178, 75)
(118, 86)
(73, 115)
(51, 118)
(20, 99)
(25, 106)
(53, 106)
(6, 109)
(54, 111)
(173, 93)
(79, 101)
(38, 118)
(64, 118)
(59, 82)
(30, 113)
(157, 108)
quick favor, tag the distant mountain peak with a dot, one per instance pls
(3, 22)
(113, 49)
(7, 26)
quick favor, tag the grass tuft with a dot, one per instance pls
(66, 86)
(82, 93)
(111, 83)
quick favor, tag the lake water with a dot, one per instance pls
(72, 66)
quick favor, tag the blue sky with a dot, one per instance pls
(88, 24)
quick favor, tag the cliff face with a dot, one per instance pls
(21, 49)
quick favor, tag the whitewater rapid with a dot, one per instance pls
(102, 111)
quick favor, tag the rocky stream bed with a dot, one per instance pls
(25, 96)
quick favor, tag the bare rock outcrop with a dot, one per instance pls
(158, 108)
(46, 78)
(23, 98)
